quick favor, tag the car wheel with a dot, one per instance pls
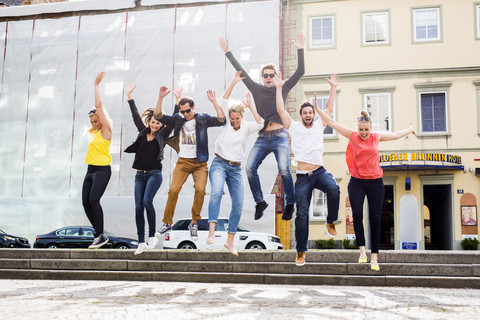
(122, 246)
(52, 246)
(187, 245)
(255, 245)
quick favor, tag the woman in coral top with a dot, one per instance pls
(99, 160)
(366, 175)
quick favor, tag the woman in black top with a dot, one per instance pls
(148, 149)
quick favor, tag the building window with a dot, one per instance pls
(433, 112)
(318, 206)
(478, 20)
(321, 32)
(379, 107)
(375, 28)
(426, 24)
(321, 103)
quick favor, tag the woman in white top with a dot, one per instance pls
(227, 164)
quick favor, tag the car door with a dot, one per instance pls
(86, 237)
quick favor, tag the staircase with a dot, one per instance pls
(447, 269)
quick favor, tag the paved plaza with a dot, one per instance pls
(55, 299)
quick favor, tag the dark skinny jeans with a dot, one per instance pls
(375, 192)
(94, 185)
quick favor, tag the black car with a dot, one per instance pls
(80, 237)
(9, 241)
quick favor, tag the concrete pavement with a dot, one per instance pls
(56, 299)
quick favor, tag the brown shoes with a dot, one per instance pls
(300, 261)
(330, 230)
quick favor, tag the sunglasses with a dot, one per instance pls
(185, 111)
(92, 111)
(268, 75)
(364, 119)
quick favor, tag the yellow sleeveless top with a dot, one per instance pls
(98, 153)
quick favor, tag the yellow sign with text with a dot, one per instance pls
(439, 157)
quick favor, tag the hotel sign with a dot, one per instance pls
(420, 161)
(438, 157)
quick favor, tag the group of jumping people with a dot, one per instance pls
(273, 124)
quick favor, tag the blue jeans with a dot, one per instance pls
(276, 142)
(147, 184)
(375, 192)
(319, 179)
(221, 172)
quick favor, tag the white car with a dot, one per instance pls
(179, 237)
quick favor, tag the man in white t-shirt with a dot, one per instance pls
(307, 147)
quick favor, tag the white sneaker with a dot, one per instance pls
(152, 243)
(141, 247)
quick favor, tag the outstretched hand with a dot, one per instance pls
(131, 88)
(163, 92)
(237, 77)
(412, 131)
(278, 81)
(333, 80)
(99, 78)
(178, 92)
(300, 42)
(212, 96)
(248, 101)
(223, 44)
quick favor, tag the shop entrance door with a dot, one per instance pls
(438, 232)
(387, 233)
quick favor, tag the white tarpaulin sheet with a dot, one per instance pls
(48, 68)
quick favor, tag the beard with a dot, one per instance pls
(307, 123)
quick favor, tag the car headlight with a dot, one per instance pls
(9, 238)
(273, 239)
(134, 243)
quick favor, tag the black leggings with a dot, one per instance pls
(94, 186)
(375, 192)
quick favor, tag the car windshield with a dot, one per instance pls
(2, 232)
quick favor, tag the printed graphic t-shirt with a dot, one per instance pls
(188, 140)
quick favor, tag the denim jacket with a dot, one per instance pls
(202, 122)
(160, 136)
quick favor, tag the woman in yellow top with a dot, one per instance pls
(99, 160)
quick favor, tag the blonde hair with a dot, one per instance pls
(269, 66)
(91, 113)
(239, 107)
(365, 117)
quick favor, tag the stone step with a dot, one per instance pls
(333, 256)
(325, 268)
(212, 277)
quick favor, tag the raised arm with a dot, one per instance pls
(326, 119)
(396, 135)
(213, 99)
(158, 108)
(106, 128)
(178, 94)
(246, 78)
(236, 78)
(333, 81)
(286, 118)
(248, 104)
(137, 119)
(299, 44)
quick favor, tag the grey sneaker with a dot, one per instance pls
(98, 241)
(193, 231)
(164, 229)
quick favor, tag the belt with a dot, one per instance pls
(146, 171)
(273, 131)
(309, 173)
(231, 163)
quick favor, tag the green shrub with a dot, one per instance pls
(348, 244)
(469, 244)
(320, 244)
(325, 244)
